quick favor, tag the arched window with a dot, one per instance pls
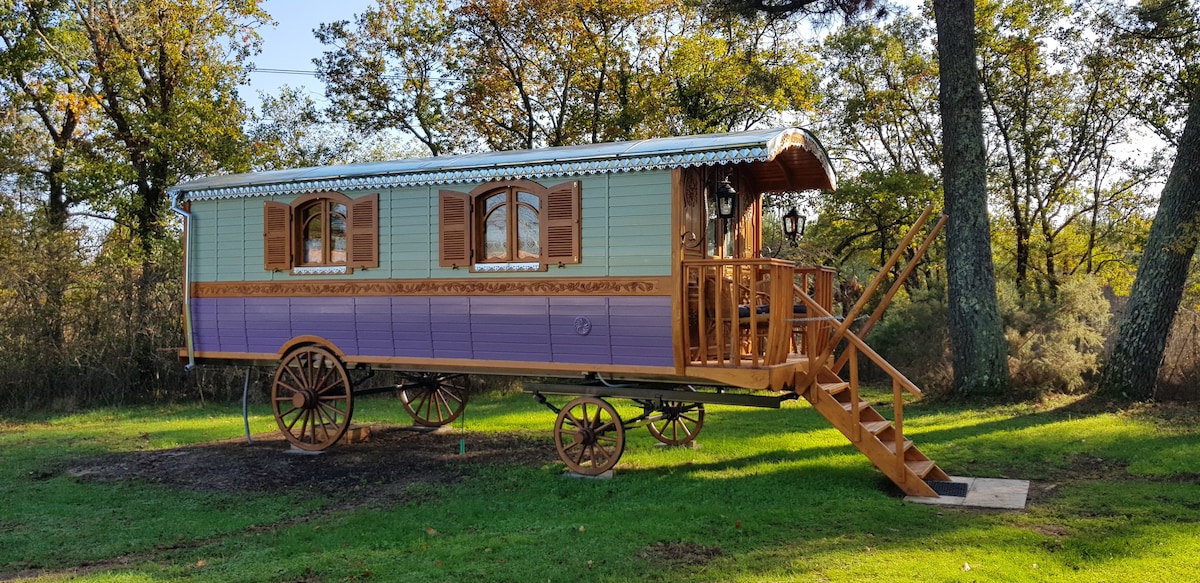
(517, 225)
(510, 226)
(321, 233)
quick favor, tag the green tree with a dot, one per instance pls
(731, 74)
(164, 74)
(292, 132)
(976, 333)
(390, 69)
(1058, 104)
(881, 92)
(1132, 368)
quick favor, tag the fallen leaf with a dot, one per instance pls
(200, 564)
(966, 566)
(431, 532)
(581, 528)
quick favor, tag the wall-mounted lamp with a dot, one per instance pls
(793, 225)
(726, 199)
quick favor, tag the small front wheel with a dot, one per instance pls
(589, 436)
(434, 399)
(679, 423)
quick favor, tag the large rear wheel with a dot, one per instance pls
(311, 398)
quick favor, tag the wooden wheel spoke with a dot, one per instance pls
(294, 420)
(296, 379)
(679, 424)
(287, 386)
(320, 384)
(448, 395)
(571, 419)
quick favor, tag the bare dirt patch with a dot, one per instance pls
(393, 458)
(680, 554)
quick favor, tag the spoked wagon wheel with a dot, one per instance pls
(589, 436)
(311, 398)
(680, 423)
(434, 399)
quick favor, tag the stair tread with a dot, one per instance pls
(891, 445)
(833, 387)
(862, 406)
(920, 467)
(876, 427)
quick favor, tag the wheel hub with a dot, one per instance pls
(585, 436)
(304, 399)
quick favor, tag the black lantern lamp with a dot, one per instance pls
(793, 225)
(726, 199)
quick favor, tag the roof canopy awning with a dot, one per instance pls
(787, 159)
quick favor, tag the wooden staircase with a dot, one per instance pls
(838, 400)
(873, 434)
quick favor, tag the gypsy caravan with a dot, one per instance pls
(627, 270)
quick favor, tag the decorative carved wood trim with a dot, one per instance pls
(595, 286)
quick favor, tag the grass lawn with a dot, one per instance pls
(771, 495)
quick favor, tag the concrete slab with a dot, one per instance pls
(983, 493)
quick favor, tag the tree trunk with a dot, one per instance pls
(1132, 369)
(976, 333)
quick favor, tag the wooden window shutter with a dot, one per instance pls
(277, 236)
(561, 230)
(454, 229)
(362, 232)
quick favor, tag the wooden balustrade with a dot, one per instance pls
(742, 312)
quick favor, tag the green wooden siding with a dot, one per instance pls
(626, 232)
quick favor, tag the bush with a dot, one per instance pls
(1054, 344)
(913, 336)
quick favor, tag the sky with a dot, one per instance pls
(290, 44)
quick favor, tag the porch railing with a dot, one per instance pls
(743, 312)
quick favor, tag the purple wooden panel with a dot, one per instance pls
(633, 331)
(641, 331)
(372, 326)
(331, 318)
(412, 335)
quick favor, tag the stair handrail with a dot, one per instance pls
(861, 345)
(887, 298)
(827, 350)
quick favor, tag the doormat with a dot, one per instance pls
(958, 489)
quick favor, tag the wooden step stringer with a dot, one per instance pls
(871, 433)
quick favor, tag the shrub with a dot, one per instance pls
(913, 336)
(1054, 344)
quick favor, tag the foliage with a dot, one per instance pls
(1054, 345)
(862, 223)
(1059, 104)
(881, 93)
(110, 310)
(549, 73)
(915, 338)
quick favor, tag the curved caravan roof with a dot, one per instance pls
(787, 159)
